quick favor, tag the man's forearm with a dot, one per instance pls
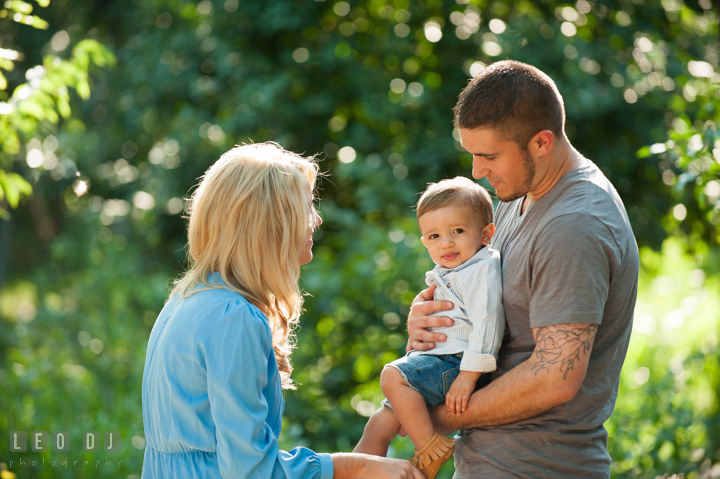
(518, 394)
(551, 376)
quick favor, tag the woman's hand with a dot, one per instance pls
(389, 468)
(420, 339)
(366, 466)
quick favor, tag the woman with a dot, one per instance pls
(219, 356)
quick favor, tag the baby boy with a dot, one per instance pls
(456, 221)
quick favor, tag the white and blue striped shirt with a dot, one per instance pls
(475, 288)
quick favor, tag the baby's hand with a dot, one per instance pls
(458, 396)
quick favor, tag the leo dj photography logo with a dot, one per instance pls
(92, 441)
(41, 441)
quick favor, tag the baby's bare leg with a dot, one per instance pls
(381, 428)
(408, 405)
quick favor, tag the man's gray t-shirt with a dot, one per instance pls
(572, 258)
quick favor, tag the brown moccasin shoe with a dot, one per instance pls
(433, 455)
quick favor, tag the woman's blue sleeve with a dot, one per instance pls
(238, 352)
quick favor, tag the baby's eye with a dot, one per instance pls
(433, 236)
(458, 231)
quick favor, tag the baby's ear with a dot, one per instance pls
(422, 238)
(488, 233)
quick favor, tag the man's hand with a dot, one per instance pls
(458, 396)
(420, 339)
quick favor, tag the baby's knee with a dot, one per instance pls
(390, 377)
(376, 418)
(382, 424)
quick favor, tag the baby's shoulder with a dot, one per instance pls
(486, 273)
(489, 261)
(493, 253)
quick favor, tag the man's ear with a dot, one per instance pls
(542, 143)
(487, 233)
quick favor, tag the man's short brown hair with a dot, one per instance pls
(458, 190)
(513, 98)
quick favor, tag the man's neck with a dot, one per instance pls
(565, 160)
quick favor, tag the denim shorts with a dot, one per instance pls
(430, 375)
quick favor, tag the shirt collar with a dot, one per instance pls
(213, 280)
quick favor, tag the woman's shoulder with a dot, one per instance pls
(224, 311)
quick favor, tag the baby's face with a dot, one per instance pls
(453, 234)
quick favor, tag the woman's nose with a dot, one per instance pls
(317, 220)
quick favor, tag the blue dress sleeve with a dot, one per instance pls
(244, 394)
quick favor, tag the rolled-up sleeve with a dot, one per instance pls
(239, 360)
(482, 295)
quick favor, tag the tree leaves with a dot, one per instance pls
(35, 105)
(12, 188)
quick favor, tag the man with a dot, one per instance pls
(570, 266)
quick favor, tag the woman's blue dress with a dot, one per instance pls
(211, 396)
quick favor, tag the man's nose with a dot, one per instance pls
(478, 168)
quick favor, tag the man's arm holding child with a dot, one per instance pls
(566, 305)
(551, 376)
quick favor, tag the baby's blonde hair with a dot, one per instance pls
(249, 222)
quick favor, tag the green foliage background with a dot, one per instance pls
(166, 87)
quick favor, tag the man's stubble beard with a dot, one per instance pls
(522, 190)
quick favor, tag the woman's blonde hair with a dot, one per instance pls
(249, 221)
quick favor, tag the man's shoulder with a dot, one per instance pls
(585, 194)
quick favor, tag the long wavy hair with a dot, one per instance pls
(249, 222)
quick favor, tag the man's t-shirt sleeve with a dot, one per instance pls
(571, 269)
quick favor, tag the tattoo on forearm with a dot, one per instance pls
(562, 345)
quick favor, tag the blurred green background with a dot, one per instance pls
(110, 110)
